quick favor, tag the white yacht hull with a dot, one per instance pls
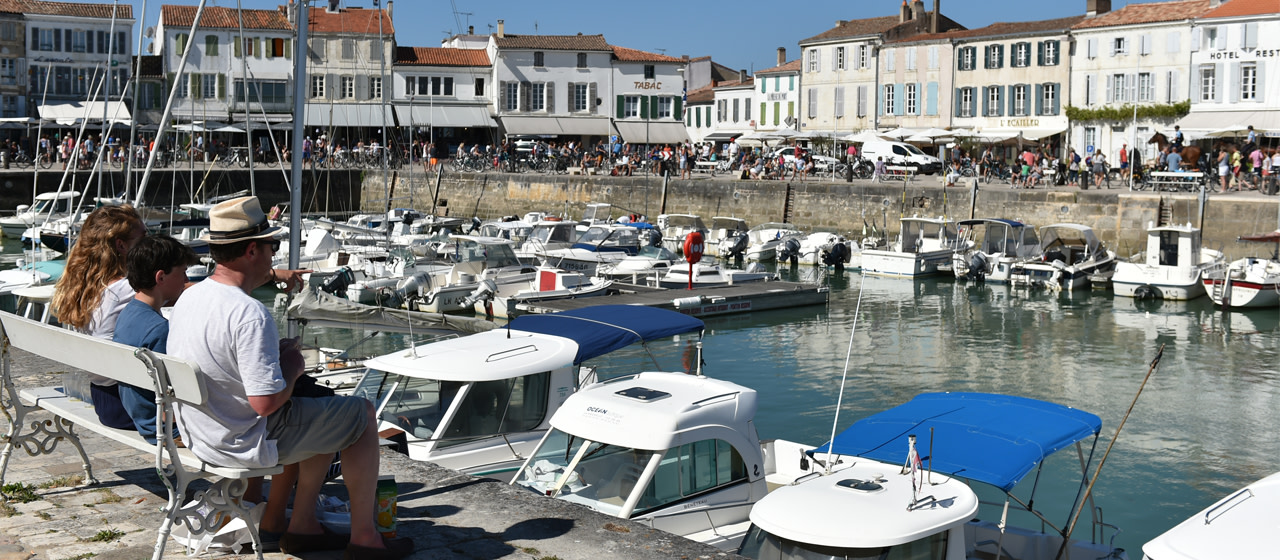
(1245, 283)
(1141, 281)
(903, 265)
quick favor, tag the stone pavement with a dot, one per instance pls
(449, 515)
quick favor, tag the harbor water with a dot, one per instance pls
(1199, 431)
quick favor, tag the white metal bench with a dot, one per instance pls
(1175, 180)
(902, 173)
(705, 166)
(173, 380)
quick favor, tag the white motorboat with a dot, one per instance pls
(1171, 268)
(648, 262)
(450, 288)
(481, 403)
(817, 249)
(707, 274)
(548, 234)
(550, 283)
(1070, 254)
(1248, 282)
(678, 452)
(991, 247)
(764, 240)
(876, 497)
(600, 245)
(1238, 526)
(676, 227)
(48, 207)
(922, 246)
(725, 233)
(594, 214)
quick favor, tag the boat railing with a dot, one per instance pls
(1228, 501)
(1099, 526)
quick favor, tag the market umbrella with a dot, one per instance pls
(228, 128)
(898, 133)
(865, 136)
(1231, 131)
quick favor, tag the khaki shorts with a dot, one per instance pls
(306, 427)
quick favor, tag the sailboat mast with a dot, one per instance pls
(106, 93)
(382, 105)
(244, 83)
(133, 121)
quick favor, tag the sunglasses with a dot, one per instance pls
(274, 243)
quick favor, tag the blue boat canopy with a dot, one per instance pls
(996, 439)
(601, 329)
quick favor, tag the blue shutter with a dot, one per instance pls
(999, 56)
(1001, 95)
(986, 101)
(1057, 98)
(899, 98)
(880, 101)
(932, 107)
(959, 96)
(1039, 105)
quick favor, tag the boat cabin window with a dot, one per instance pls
(413, 404)
(499, 407)
(1169, 248)
(553, 234)
(692, 469)
(601, 479)
(493, 256)
(761, 545)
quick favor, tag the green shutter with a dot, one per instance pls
(257, 47)
(777, 111)
(222, 86)
(762, 112)
(170, 81)
(791, 108)
(193, 86)
(622, 106)
(287, 48)
(675, 112)
(792, 81)
(235, 46)
(270, 50)
(644, 107)
(698, 113)
(182, 43)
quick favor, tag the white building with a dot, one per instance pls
(1138, 55)
(352, 51)
(1235, 65)
(839, 79)
(699, 115)
(1011, 77)
(443, 95)
(648, 92)
(67, 58)
(211, 87)
(732, 108)
(778, 95)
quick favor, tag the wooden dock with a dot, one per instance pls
(701, 302)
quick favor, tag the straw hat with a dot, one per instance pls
(239, 219)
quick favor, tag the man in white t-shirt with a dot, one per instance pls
(252, 419)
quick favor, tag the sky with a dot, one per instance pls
(745, 36)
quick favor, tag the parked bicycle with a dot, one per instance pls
(235, 156)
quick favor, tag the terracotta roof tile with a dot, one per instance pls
(223, 18)
(101, 10)
(750, 81)
(912, 30)
(554, 42)
(441, 56)
(634, 55)
(854, 28)
(348, 20)
(1153, 12)
(1236, 8)
(793, 66)
(1019, 28)
(152, 66)
(704, 94)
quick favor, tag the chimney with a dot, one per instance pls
(471, 30)
(933, 18)
(333, 6)
(917, 11)
(742, 76)
(501, 27)
(904, 15)
(1096, 7)
(782, 56)
(839, 22)
(390, 6)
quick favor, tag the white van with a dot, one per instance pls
(901, 153)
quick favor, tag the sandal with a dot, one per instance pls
(296, 544)
(395, 549)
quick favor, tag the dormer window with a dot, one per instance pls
(582, 60)
(538, 59)
(649, 73)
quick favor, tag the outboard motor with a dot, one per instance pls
(790, 251)
(337, 283)
(475, 225)
(737, 245)
(655, 238)
(977, 267)
(836, 255)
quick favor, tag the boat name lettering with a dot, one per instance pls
(597, 410)
(697, 504)
(648, 85)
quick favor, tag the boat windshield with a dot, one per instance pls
(493, 255)
(552, 234)
(601, 476)
(761, 545)
(594, 235)
(413, 404)
(657, 253)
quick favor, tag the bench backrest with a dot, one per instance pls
(100, 356)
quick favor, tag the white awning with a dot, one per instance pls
(1027, 133)
(443, 116)
(652, 132)
(71, 113)
(556, 126)
(721, 136)
(347, 114)
(1262, 121)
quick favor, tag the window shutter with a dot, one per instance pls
(1001, 92)
(839, 102)
(222, 86)
(622, 106)
(35, 38)
(644, 107)
(182, 43)
(932, 107)
(1251, 35)
(879, 101)
(1092, 47)
(817, 58)
(551, 97)
(986, 101)
(813, 103)
(899, 98)
(235, 46)
(960, 58)
(919, 98)
(1218, 82)
(959, 107)
(271, 52)
(331, 86)
(172, 83)
(999, 56)
(288, 43)
(362, 88)
(66, 45)
(1039, 91)
(525, 91)
(193, 86)
(502, 98)
(862, 101)
(257, 47)
(591, 97)
(1110, 91)
(1259, 81)
(1131, 83)
(1196, 37)
(1057, 98)
(1233, 90)
(1040, 53)
(834, 58)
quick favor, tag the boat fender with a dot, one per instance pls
(683, 302)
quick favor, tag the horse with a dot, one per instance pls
(1190, 154)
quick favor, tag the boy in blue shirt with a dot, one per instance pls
(157, 271)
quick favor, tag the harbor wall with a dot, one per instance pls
(336, 191)
(1119, 217)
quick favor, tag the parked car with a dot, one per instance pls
(901, 153)
(820, 162)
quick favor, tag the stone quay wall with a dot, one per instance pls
(1118, 217)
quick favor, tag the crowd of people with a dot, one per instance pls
(262, 409)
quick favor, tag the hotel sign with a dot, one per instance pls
(1019, 123)
(777, 96)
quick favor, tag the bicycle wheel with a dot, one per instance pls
(46, 161)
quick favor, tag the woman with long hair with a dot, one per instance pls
(93, 290)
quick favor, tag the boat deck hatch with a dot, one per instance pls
(642, 394)
(868, 486)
